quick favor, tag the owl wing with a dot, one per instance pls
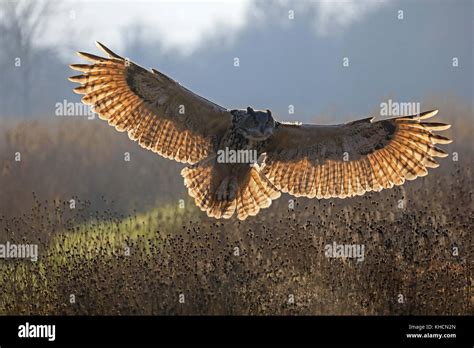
(155, 110)
(353, 158)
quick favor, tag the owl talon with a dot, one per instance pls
(222, 190)
(227, 189)
(232, 189)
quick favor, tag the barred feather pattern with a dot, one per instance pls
(351, 159)
(153, 109)
(252, 192)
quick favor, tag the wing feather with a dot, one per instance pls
(351, 159)
(157, 112)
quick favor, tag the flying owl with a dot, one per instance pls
(301, 159)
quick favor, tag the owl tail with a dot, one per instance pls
(221, 197)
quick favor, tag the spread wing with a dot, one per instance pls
(155, 110)
(350, 159)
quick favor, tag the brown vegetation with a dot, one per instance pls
(222, 267)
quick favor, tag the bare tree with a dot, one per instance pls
(22, 22)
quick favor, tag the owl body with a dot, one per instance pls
(230, 172)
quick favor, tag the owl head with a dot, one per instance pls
(254, 125)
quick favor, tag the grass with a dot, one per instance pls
(257, 266)
(107, 240)
(110, 235)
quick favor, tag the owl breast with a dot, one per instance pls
(236, 150)
(235, 141)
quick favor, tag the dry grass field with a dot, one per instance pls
(135, 244)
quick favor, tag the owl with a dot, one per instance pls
(238, 161)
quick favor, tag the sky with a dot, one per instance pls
(289, 52)
(179, 24)
(184, 24)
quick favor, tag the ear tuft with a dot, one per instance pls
(269, 112)
(250, 110)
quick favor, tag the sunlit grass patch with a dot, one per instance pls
(110, 237)
(33, 285)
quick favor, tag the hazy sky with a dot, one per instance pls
(183, 24)
(290, 52)
(177, 23)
